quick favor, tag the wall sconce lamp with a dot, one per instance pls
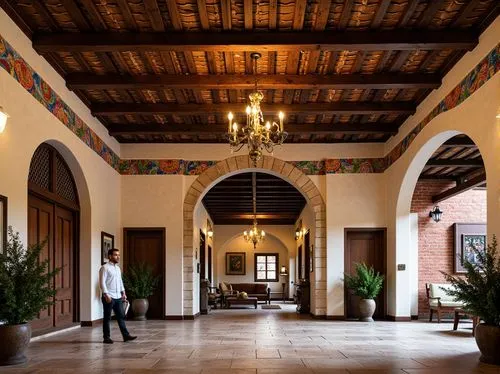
(210, 234)
(298, 234)
(436, 214)
(3, 119)
(283, 270)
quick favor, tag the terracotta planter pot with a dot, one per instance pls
(15, 339)
(366, 310)
(488, 341)
(140, 308)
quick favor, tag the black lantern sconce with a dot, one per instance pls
(436, 214)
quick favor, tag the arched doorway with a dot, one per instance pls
(53, 215)
(271, 165)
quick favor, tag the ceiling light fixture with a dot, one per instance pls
(254, 235)
(257, 134)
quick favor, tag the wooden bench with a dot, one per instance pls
(236, 301)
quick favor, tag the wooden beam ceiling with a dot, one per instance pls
(456, 162)
(248, 41)
(243, 82)
(471, 183)
(402, 107)
(207, 129)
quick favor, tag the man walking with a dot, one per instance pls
(113, 295)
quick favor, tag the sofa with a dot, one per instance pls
(439, 300)
(259, 290)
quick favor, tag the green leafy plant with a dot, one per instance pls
(139, 281)
(365, 283)
(479, 290)
(25, 282)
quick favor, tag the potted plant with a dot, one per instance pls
(366, 284)
(140, 282)
(25, 289)
(479, 290)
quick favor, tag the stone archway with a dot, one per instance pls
(286, 171)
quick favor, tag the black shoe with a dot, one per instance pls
(129, 338)
(108, 341)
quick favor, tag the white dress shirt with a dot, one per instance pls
(110, 280)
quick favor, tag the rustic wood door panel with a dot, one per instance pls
(148, 245)
(366, 246)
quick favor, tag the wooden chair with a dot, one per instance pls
(439, 301)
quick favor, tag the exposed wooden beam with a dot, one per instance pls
(456, 162)
(335, 107)
(460, 142)
(471, 183)
(242, 82)
(244, 42)
(318, 129)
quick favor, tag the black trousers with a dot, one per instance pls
(117, 306)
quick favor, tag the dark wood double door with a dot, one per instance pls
(48, 220)
(368, 246)
(147, 245)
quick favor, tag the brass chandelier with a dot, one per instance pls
(254, 235)
(257, 134)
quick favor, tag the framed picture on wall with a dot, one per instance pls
(235, 263)
(469, 238)
(107, 243)
(3, 222)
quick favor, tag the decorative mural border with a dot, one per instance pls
(22, 72)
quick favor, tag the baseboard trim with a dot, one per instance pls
(398, 319)
(93, 323)
(319, 317)
(181, 318)
(335, 318)
(414, 317)
(173, 318)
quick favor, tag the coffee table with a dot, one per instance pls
(235, 301)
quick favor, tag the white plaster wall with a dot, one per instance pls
(156, 201)
(475, 117)
(352, 201)
(229, 238)
(287, 152)
(29, 125)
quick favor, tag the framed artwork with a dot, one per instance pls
(107, 243)
(3, 222)
(235, 263)
(467, 237)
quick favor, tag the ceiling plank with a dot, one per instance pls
(460, 142)
(464, 12)
(76, 15)
(335, 107)
(379, 16)
(287, 41)
(471, 183)
(127, 15)
(456, 162)
(321, 129)
(242, 82)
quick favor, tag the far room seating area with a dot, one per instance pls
(259, 290)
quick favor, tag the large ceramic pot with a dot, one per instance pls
(488, 341)
(366, 310)
(15, 339)
(140, 308)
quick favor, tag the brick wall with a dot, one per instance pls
(435, 240)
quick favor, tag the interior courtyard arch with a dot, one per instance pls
(271, 165)
(476, 118)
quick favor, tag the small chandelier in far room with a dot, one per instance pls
(257, 133)
(254, 235)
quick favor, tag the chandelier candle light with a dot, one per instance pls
(257, 134)
(254, 235)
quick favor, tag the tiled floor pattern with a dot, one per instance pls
(261, 342)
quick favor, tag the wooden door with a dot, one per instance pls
(148, 246)
(307, 255)
(40, 227)
(202, 256)
(209, 257)
(63, 258)
(368, 246)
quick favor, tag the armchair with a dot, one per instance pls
(439, 301)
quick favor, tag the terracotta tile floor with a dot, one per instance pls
(261, 342)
